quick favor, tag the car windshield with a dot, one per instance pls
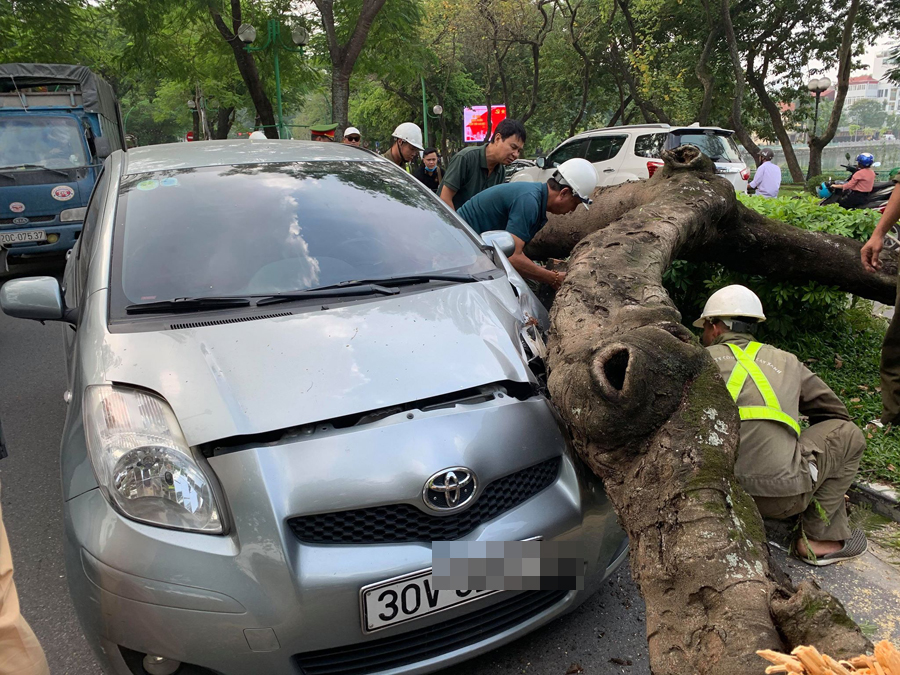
(718, 147)
(273, 228)
(35, 140)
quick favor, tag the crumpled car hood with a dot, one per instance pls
(269, 374)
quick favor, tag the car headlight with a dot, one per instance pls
(72, 215)
(143, 464)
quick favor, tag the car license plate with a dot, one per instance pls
(406, 598)
(22, 237)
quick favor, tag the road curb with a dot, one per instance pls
(883, 499)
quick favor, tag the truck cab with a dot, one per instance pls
(57, 124)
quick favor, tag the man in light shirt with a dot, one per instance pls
(767, 180)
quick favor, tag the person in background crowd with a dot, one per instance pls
(767, 180)
(257, 135)
(479, 167)
(890, 350)
(429, 173)
(322, 132)
(20, 651)
(789, 471)
(857, 189)
(521, 209)
(405, 141)
(352, 136)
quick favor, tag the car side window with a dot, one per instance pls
(650, 145)
(90, 227)
(602, 148)
(568, 151)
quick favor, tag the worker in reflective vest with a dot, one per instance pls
(788, 470)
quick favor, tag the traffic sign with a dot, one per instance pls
(190, 135)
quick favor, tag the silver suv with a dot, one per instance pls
(632, 152)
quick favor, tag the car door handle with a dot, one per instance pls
(609, 170)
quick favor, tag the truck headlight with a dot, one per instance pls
(72, 215)
(143, 464)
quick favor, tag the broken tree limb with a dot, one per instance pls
(742, 240)
(650, 415)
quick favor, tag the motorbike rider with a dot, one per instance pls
(767, 180)
(857, 189)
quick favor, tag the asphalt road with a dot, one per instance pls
(604, 636)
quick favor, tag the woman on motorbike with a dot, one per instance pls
(860, 184)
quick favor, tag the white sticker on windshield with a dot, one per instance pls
(17, 207)
(148, 185)
(62, 193)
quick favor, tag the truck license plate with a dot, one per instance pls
(22, 236)
(400, 600)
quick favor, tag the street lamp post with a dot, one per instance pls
(299, 36)
(425, 114)
(818, 86)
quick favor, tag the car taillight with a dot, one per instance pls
(745, 174)
(653, 165)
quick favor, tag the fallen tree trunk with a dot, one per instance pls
(650, 415)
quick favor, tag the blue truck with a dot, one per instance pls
(57, 124)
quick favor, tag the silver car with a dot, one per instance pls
(291, 369)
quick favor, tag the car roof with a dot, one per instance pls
(667, 128)
(229, 152)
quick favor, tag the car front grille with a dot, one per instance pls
(425, 643)
(398, 523)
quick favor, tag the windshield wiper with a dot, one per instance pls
(59, 172)
(364, 287)
(336, 291)
(187, 305)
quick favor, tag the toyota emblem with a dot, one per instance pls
(450, 489)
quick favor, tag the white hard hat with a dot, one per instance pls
(411, 133)
(580, 175)
(258, 136)
(732, 301)
(349, 131)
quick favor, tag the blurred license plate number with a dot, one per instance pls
(22, 237)
(390, 603)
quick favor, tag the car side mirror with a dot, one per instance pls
(500, 240)
(37, 298)
(102, 147)
(540, 161)
(847, 155)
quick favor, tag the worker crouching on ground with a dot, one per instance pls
(521, 209)
(787, 471)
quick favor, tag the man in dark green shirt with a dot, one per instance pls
(477, 168)
(521, 209)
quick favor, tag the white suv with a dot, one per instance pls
(631, 152)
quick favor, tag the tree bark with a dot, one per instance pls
(224, 120)
(845, 66)
(344, 56)
(706, 77)
(790, 157)
(738, 101)
(649, 413)
(246, 66)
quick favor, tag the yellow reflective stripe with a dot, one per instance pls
(751, 412)
(739, 375)
(745, 367)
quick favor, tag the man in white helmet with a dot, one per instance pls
(787, 470)
(521, 209)
(405, 144)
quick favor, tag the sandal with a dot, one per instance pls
(854, 547)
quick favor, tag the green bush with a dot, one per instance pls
(789, 307)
